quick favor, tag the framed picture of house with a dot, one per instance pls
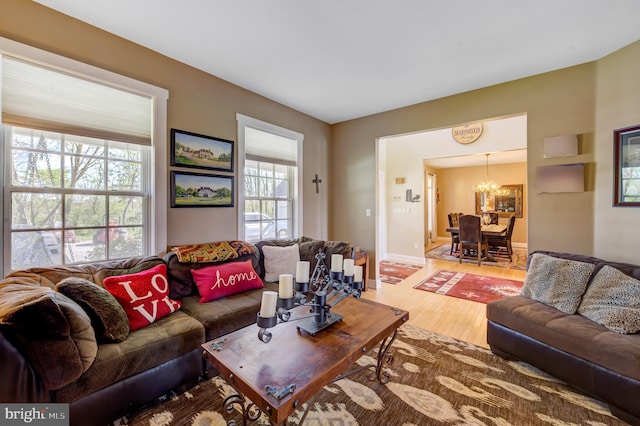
(199, 151)
(626, 191)
(201, 190)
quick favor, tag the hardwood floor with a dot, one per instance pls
(458, 318)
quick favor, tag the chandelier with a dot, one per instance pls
(490, 187)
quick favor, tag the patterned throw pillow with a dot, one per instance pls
(613, 300)
(280, 260)
(108, 318)
(216, 282)
(556, 282)
(144, 296)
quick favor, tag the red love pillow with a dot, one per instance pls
(144, 296)
(215, 282)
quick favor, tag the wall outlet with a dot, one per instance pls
(367, 212)
(415, 245)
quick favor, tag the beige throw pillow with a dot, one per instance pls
(613, 300)
(556, 282)
(280, 260)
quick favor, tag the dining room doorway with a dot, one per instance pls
(403, 226)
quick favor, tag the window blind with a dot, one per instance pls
(39, 97)
(268, 147)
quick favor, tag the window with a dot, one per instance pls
(271, 169)
(79, 148)
(69, 192)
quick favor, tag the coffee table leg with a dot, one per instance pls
(250, 412)
(384, 357)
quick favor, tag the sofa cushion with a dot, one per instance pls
(556, 282)
(309, 250)
(53, 332)
(215, 282)
(337, 247)
(573, 334)
(144, 296)
(107, 315)
(225, 315)
(280, 260)
(146, 348)
(613, 300)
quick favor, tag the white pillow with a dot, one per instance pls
(556, 282)
(280, 260)
(613, 300)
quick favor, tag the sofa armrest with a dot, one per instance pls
(19, 382)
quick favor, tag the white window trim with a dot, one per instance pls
(156, 219)
(246, 121)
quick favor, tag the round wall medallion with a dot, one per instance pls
(467, 133)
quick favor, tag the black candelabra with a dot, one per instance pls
(320, 292)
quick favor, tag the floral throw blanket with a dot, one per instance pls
(212, 252)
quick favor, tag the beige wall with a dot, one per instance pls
(456, 195)
(198, 102)
(555, 103)
(618, 100)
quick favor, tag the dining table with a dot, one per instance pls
(486, 230)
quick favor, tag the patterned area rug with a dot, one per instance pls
(501, 259)
(392, 272)
(434, 380)
(479, 288)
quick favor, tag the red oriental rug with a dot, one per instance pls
(479, 288)
(392, 272)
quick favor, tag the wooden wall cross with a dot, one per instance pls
(317, 182)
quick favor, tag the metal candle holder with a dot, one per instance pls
(321, 293)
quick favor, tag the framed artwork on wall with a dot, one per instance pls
(201, 190)
(626, 154)
(200, 151)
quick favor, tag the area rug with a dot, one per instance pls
(392, 272)
(479, 288)
(519, 258)
(434, 380)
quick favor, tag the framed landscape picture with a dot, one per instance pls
(626, 167)
(200, 151)
(200, 190)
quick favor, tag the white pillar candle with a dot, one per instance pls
(285, 289)
(269, 302)
(336, 263)
(357, 273)
(348, 267)
(302, 271)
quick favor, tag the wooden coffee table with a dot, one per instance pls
(279, 376)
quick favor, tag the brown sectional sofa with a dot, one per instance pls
(570, 346)
(120, 377)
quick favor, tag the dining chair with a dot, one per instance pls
(455, 240)
(471, 238)
(494, 218)
(500, 241)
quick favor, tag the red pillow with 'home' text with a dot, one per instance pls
(144, 296)
(215, 282)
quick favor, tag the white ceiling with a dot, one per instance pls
(342, 59)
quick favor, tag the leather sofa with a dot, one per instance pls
(121, 377)
(580, 348)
